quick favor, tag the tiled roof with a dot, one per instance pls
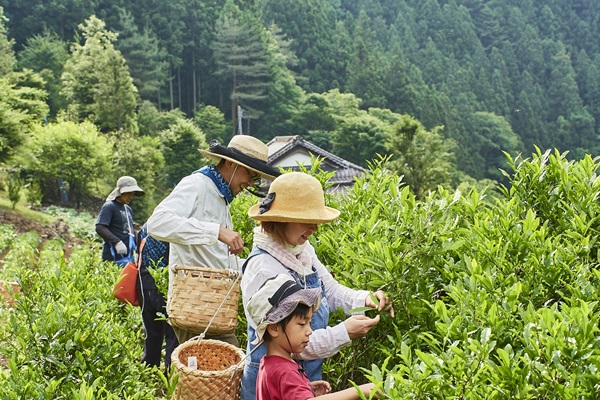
(345, 171)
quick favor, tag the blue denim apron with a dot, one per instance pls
(320, 320)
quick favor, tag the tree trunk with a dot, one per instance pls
(179, 86)
(233, 105)
(199, 88)
(194, 99)
(171, 86)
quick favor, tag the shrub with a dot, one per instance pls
(33, 194)
(15, 184)
(68, 337)
(81, 224)
(513, 304)
(495, 297)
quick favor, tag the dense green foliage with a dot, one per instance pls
(96, 80)
(67, 336)
(495, 297)
(495, 290)
(75, 152)
(488, 76)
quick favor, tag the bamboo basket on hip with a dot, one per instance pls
(205, 301)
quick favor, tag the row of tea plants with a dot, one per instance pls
(67, 337)
(495, 294)
(496, 297)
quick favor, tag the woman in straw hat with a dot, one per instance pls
(288, 216)
(195, 217)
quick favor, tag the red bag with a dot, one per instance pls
(125, 290)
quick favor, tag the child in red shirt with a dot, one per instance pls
(282, 311)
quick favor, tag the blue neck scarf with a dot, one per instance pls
(213, 173)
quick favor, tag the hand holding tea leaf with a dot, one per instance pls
(359, 325)
(380, 302)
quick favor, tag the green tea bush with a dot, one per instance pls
(7, 235)
(81, 224)
(22, 256)
(244, 224)
(494, 298)
(68, 337)
(385, 239)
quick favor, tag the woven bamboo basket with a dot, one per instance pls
(219, 371)
(201, 296)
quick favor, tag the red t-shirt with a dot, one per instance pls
(279, 378)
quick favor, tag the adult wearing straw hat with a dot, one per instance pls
(195, 219)
(288, 216)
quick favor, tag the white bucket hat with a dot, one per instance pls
(277, 298)
(125, 184)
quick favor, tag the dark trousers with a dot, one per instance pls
(157, 328)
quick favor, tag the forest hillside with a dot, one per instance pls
(450, 83)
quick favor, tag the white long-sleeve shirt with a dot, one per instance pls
(323, 343)
(189, 219)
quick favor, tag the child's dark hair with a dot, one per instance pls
(300, 311)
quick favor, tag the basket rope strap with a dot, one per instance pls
(203, 334)
(251, 351)
(243, 360)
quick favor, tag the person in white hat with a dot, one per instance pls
(195, 219)
(288, 216)
(115, 222)
(282, 310)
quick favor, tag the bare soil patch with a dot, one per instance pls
(57, 229)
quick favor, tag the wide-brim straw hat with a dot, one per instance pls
(125, 184)
(246, 151)
(294, 197)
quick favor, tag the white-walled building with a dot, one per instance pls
(289, 151)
